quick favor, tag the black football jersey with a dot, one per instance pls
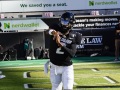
(61, 56)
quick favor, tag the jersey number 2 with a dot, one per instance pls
(58, 51)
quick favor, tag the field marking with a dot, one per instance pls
(0, 72)
(109, 79)
(25, 75)
(26, 86)
(95, 69)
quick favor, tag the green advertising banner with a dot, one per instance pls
(23, 25)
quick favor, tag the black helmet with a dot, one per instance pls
(67, 20)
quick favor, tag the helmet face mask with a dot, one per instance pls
(64, 21)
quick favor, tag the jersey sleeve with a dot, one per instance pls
(70, 51)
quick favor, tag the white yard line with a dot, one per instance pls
(25, 75)
(26, 86)
(108, 79)
(0, 72)
(94, 69)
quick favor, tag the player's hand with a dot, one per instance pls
(58, 40)
(57, 37)
(54, 33)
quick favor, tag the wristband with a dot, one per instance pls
(50, 31)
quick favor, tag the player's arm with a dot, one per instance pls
(55, 36)
(52, 32)
(71, 52)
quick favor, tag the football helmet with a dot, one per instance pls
(67, 20)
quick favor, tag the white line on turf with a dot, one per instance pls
(0, 72)
(26, 86)
(108, 79)
(25, 75)
(94, 69)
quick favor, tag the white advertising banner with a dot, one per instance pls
(23, 24)
(56, 5)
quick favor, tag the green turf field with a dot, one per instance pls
(98, 73)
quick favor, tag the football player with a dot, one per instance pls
(117, 41)
(62, 48)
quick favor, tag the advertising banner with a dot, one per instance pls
(56, 5)
(99, 41)
(23, 24)
(100, 21)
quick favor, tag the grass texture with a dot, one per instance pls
(88, 76)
